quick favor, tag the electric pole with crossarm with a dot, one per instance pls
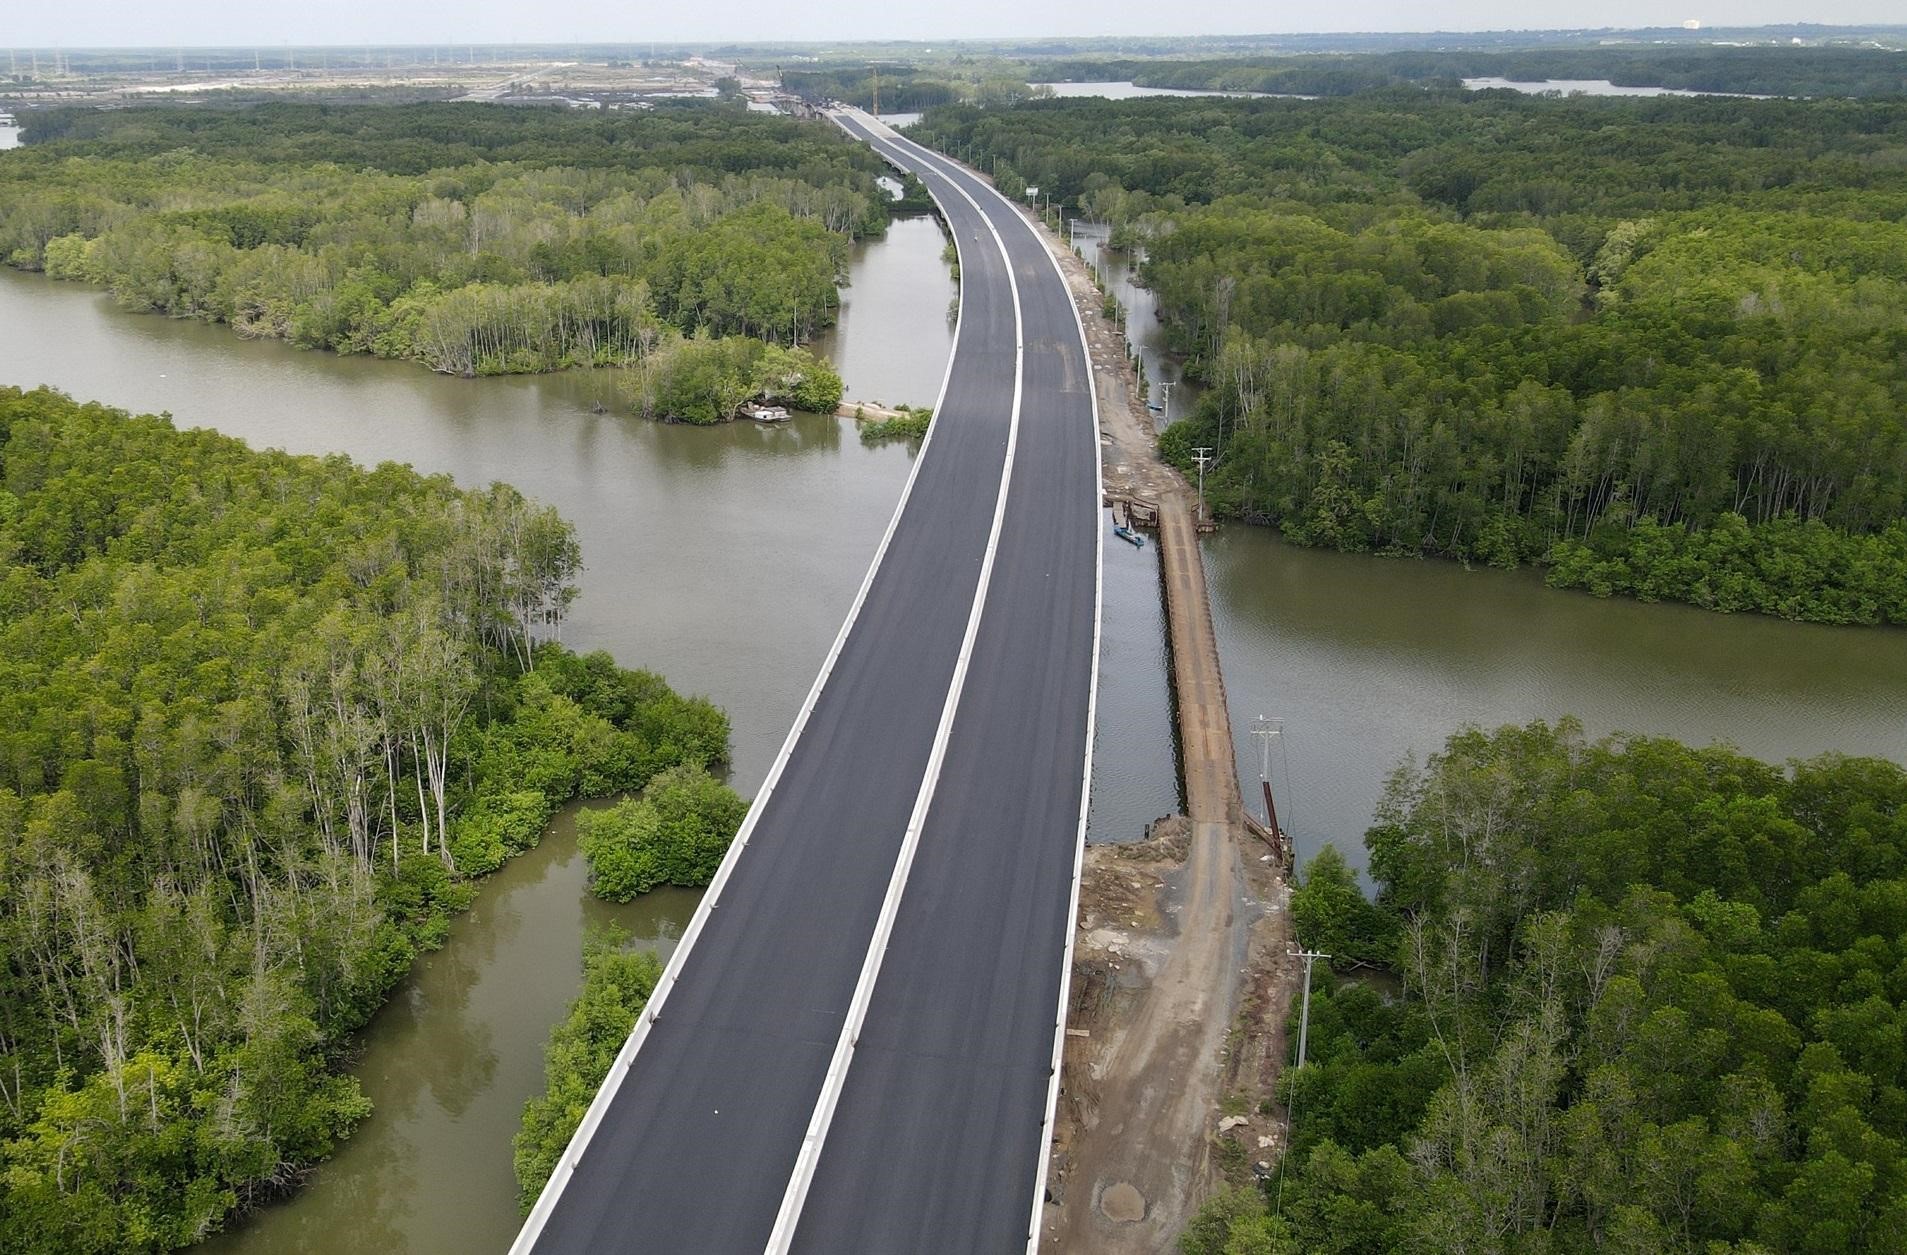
(1304, 1015)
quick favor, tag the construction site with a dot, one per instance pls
(1183, 972)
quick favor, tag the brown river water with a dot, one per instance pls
(725, 558)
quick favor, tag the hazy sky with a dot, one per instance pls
(119, 23)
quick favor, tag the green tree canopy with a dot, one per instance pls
(260, 718)
(675, 833)
(1655, 345)
(1651, 1001)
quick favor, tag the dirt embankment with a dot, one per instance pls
(1181, 978)
(869, 410)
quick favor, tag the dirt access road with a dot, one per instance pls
(1181, 980)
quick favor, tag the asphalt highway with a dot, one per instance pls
(853, 1048)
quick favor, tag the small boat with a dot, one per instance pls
(1127, 534)
(1156, 409)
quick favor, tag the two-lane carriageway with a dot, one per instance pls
(854, 1048)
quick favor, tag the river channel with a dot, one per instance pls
(1591, 87)
(449, 1062)
(1366, 660)
(1369, 659)
(725, 558)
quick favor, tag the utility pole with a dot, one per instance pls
(1304, 1015)
(1265, 729)
(1203, 455)
(1168, 385)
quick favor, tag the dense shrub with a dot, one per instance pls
(675, 833)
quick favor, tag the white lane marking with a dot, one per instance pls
(1092, 702)
(579, 1142)
(949, 169)
(782, 1237)
(1086, 784)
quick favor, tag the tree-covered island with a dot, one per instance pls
(697, 249)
